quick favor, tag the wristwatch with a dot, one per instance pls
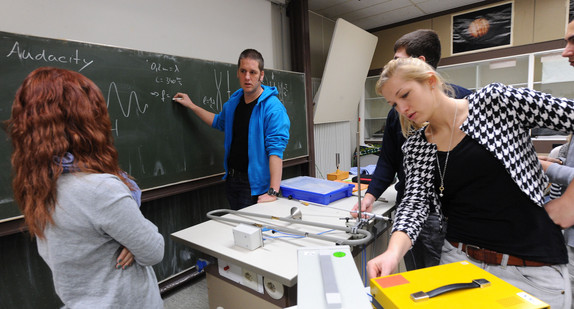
(272, 192)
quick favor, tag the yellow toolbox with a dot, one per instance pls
(454, 285)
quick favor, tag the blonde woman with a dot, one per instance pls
(474, 162)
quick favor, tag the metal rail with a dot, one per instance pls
(338, 240)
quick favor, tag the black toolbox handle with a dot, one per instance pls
(477, 283)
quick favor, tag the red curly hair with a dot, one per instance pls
(56, 111)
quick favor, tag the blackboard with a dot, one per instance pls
(159, 142)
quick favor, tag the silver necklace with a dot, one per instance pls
(443, 172)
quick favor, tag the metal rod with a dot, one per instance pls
(359, 215)
(338, 240)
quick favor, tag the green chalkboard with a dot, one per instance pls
(160, 143)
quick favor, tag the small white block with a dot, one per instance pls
(247, 236)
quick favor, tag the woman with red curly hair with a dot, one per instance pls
(82, 208)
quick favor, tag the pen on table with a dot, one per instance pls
(311, 203)
(303, 202)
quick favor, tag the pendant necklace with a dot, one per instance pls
(443, 172)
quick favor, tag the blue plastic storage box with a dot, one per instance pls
(315, 190)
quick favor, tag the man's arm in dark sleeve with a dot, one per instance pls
(390, 158)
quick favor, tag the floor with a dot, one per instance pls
(190, 296)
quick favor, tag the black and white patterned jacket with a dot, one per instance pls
(499, 119)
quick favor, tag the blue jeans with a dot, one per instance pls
(239, 192)
(550, 284)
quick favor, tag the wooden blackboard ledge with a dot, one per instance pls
(295, 161)
(174, 189)
(178, 188)
(13, 226)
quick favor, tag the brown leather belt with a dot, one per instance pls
(493, 257)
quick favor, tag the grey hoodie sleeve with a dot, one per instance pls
(563, 174)
(120, 218)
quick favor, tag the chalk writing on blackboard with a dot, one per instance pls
(215, 104)
(159, 170)
(169, 76)
(282, 87)
(133, 96)
(158, 67)
(48, 57)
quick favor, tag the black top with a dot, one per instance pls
(238, 155)
(391, 157)
(479, 193)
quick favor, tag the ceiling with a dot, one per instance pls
(371, 14)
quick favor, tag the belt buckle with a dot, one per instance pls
(471, 246)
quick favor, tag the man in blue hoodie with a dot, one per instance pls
(256, 127)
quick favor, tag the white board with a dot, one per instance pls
(346, 70)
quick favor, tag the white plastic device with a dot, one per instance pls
(247, 236)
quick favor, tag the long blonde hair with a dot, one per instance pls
(411, 69)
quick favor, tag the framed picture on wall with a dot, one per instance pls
(485, 28)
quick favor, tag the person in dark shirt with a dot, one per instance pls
(425, 45)
(256, 127)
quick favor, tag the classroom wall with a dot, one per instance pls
(534, 21)
(214, 30)
(387, 39)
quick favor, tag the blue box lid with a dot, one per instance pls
(313, 185)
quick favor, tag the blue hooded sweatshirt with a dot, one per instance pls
(268, 134)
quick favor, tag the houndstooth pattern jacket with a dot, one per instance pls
(499, 119)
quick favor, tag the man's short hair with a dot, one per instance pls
(422, 42)
(251, 54)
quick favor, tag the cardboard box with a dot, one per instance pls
(395, 291)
